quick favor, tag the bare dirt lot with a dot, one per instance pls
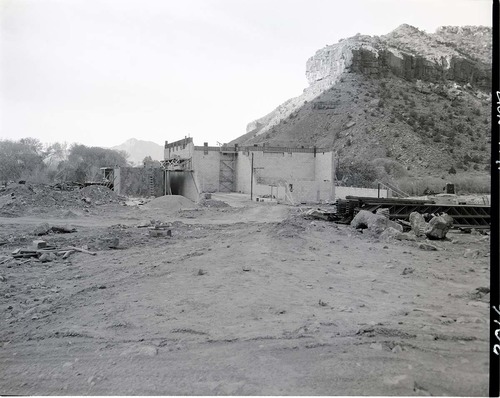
(250, 298)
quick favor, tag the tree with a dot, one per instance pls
(84, 162)
(20, 159)
(355, 173)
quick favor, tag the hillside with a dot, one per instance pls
(139, 149)
(409, 104)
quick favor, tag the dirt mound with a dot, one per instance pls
(18, 199)
(212, 203)
(24, 199)
(99, 194)
(291, 227)
(170, 202)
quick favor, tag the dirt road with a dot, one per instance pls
(248, 299)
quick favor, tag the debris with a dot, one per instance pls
(47, 257)
(472, 253)
(318, 214)
(439, 226)
(322, 303)
(212, 203)
(67, 253)
(108, 242)
(42, 229)
(483, 289)
(81, 250)
(39, 244)
(246, 268)
(407, 271)
(62, 229)
(374, 222)
(427, 246)
(159, 233)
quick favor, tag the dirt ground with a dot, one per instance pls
(247, 299)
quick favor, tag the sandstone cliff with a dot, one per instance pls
(416, 98)
(458, 54)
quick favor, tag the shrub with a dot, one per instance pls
(356, 173)
(452, 170)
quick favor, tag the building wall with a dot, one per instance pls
(243, 172)
(300, 174)
(183, 183)
(182, 148)
(206, 170)
(342, 192)
(309, 176)
(134, 181)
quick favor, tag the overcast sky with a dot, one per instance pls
(99, 72)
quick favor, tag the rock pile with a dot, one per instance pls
(376, 223)
(436, 228)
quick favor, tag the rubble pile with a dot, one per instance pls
(213, 203)
(99, 194)
(436, 228)
(21, 199)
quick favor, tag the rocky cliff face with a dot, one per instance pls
(452, 54)
(411, 54)
(415, 102)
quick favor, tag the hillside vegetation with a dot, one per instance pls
(407, 107)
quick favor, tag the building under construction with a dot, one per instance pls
(291, 174)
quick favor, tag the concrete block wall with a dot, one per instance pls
(283, 167)
(323, 166)
(243, 172)
(206, 170)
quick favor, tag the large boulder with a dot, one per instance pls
(374, 222)
(42, 229)
(439, 226)
(390, 233)
(418, 224)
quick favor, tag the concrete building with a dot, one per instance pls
(293, 175)
(290, 175)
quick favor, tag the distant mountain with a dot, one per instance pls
(139, 149)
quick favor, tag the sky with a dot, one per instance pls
(98, 72)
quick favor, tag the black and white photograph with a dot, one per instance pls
(246, 197)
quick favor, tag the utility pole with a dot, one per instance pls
(251, 181)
